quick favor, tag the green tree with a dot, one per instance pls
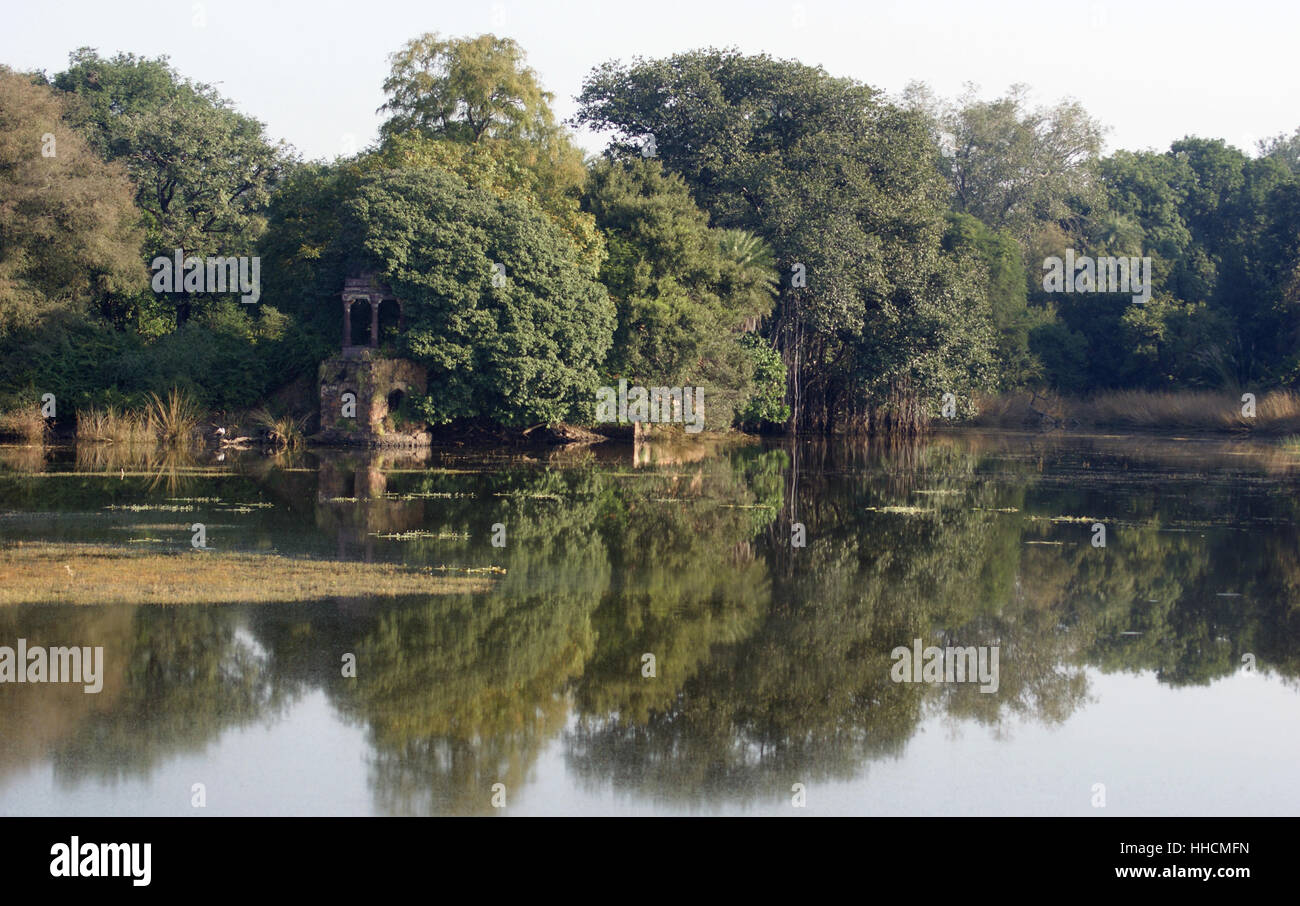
(766, 405)
(203, 171)
(505, 168)
(875, 320)
(1013, 319)
(479, 91)
(69, 234)
(683, 292)
(1285, 148)
(1012, 166)
(499, 307)
(465, 89)
(1217, 226)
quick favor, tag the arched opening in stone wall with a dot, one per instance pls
(395, 400)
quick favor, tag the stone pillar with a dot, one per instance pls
(374, 322)
(347, 322)
(401, 317)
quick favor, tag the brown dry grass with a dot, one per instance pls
(49, 573)
(26, 424)
(170, 419)
(1276, 412)
(110, 426)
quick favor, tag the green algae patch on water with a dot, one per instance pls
(53, 573)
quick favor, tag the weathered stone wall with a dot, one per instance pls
(373, 378)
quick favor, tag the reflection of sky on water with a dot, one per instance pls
(1210, 750)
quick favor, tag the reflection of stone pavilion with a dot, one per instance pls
(352, 501)
(362, 389)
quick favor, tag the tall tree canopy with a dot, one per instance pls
(876, 319)
(1013, 166)
(69, 232)
(466, 89)
(499, 307)
(683, 291)
(203, 172)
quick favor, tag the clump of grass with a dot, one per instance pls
(173, 418)
(1275, 412)
(281, 431)
(1280, 410)
(111, 426)
(27, 424)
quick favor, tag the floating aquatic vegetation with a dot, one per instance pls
(429, 495)
(417, 534)
(168, 526)
(494, 570)
(150, 508)
(105, 574)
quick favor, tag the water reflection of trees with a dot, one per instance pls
(935, 544)
(772, 663)
(174, 679)
(461, 693)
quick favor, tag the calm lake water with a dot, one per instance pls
(1127, 665)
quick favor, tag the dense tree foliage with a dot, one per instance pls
(480, 92)
(203, 171)
(683, 291)
(876, 320)
(69, 234)
(498, 305)
(811, 252)
(1013, 167)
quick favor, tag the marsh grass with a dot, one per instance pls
(27, 425)
(1276, 412)
(171, 420)
(282, 431)
(114, 427)
(175, 417)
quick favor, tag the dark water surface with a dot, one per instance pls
(1126, 666)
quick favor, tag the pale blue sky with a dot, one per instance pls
(1152, 71)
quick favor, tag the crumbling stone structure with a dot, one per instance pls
(362, 390)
